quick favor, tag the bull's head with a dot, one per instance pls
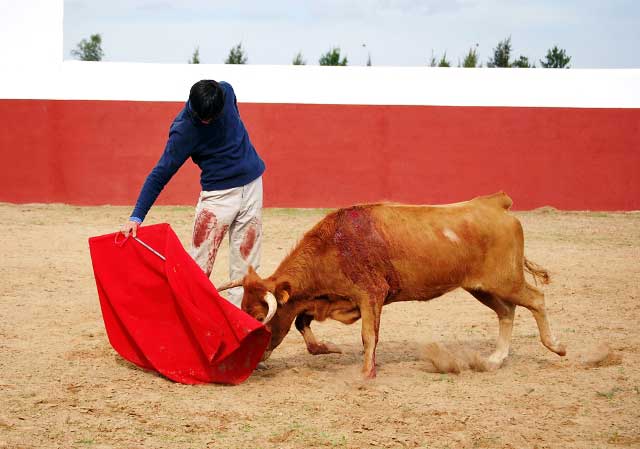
(266, 301)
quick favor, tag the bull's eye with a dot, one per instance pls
(260, 317)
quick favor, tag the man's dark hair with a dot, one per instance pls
(207, 99)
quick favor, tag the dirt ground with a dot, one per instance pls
(63, 386)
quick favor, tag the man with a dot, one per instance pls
(210, 131)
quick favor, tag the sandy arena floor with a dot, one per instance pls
(63, 386)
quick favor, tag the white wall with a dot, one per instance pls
(611, 88)
(31, 56)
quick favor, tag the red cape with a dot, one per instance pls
(167, 316)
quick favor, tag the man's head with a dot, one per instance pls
(206, 99)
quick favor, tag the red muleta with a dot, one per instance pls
(162, 313)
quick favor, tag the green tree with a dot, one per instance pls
(89, 50)
(368, 63)
(556, 58)
(443, 61)
(298, 60)
(433, 62)
(522, 63)
(195, 58)
(332, 57)
(501, 54)
(236, 55)
(471, 59)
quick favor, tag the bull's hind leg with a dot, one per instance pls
(315, 347)
(505, 312)
(533, 299)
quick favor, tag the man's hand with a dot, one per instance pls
(130, 227)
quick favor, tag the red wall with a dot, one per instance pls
(99, 152)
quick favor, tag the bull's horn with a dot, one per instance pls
(273, 306)
(228, 285)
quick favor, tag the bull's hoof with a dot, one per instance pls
(491, 364)
(557, 347)
(262, 366)
(494, 362)
(265, 356)
(488, 365)
(323, 348)
(369, 374)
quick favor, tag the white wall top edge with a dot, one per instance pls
(581, 88)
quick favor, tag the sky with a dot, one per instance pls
(595, 33)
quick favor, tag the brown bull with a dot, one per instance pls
(356, 260)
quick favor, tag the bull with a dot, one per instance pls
(358, 259)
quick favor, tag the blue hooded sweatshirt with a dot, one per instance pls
(221, 149)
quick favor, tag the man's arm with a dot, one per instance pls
(171, 160)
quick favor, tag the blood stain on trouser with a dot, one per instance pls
(216, 240)
(249, 239)
(206, 221)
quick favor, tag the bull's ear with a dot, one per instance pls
(283, 292)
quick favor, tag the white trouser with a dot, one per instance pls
(239, 211)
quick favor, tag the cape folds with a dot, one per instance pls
(166, 315)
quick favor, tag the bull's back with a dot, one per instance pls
(442, 247)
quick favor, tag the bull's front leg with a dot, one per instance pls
(370, 309)
(303, 324)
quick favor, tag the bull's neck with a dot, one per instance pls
(298, 281)
(298, 268)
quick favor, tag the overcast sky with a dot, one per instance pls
(595, 33)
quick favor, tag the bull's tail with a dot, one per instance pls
(537, 272)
